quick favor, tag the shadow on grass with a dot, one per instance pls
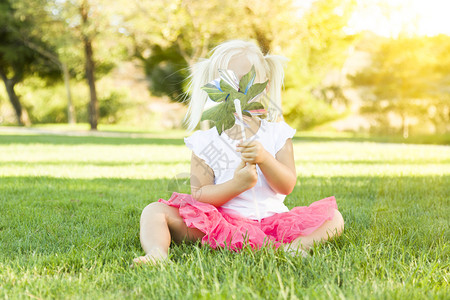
(22, 163)
(427, 139)
(396, 161)
(83, 140)
(53, 215)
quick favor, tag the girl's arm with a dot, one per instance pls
(279, 170)
(203, 188)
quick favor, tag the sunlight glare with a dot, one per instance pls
(393, 17)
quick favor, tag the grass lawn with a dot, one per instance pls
(70, 208)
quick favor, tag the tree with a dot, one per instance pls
(66, 33)
(89, 62)
(87, 22)
(320, 47)
(48, 29)
(17, 60)
(408, 78)
(168, 37)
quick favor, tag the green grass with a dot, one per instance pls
(70, 208)
(436, 139)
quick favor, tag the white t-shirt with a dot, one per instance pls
(219, 153)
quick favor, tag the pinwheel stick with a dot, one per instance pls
(237, 107)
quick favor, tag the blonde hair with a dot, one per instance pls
(267, 67)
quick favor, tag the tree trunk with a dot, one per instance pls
(70, 108)
(90, 69)
(21, 114)
(263, 41)
(9, 84)
(93, 104)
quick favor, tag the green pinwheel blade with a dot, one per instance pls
(214, 93)
(221, 115)
(253, 106)
(246, 113)
(225, 87)
(247, 80)
(213, 113)
(255, 90)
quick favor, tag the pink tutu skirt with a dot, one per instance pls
(225, 228)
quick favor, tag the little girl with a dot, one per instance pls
(238, 185)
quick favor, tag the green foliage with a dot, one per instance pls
(14, 56)
(321, 46)
(169, 36)
(408, 77)
(304, 111)
(20, 39)
(181, 32)
(78, 227)
(111, 106)
(66, 32)
(48, 104)
(17, 59)
(166, 72)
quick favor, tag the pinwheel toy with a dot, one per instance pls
(243, 95)
(227, 88)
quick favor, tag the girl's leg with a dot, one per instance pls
(161, 223)
(330, 229)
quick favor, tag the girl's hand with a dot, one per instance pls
(246, 175)
(252, 152)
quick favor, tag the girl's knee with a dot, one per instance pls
(154, 208)
(338, 222)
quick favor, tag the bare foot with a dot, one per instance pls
(150, 259)
(143, 260)
(298, 251)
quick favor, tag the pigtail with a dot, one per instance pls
(276, 79)
(200, 75)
